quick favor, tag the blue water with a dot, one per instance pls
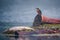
(4, 26)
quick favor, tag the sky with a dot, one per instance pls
(24, 10)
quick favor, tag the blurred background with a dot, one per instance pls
(22, 12)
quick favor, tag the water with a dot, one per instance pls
(5, 26)
(30, 38)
